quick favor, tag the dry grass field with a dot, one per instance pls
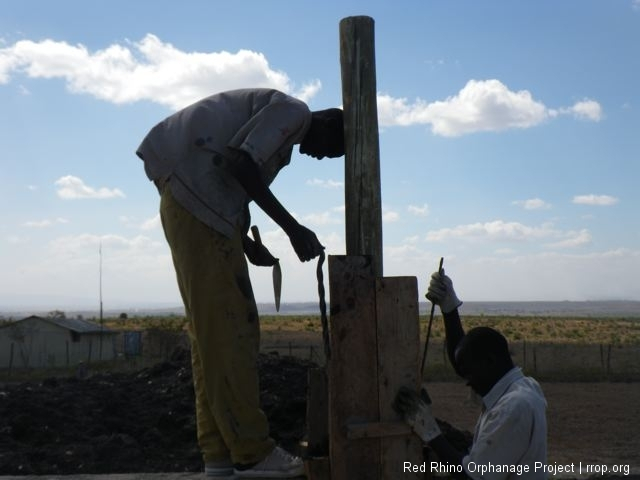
(575, 330)
(552, 348)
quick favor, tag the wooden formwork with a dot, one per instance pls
(374, 334)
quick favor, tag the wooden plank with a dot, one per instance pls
(363, 211)
(377, 430)
(353, 383)
(317, 413)
(398, 364)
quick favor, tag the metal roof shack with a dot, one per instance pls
(78, 325)
(36, 342)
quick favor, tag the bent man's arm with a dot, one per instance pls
(246, 172)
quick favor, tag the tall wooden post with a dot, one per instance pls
(374, 329)
(363, 216)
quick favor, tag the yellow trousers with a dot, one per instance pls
(224, 331)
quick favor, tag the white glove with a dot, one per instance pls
(441, 293)
(416, 412)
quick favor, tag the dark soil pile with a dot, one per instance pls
(134, 422)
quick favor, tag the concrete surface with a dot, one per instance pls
(114, 476)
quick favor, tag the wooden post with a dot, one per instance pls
(374, 328)
(352, 368)
(363, 211)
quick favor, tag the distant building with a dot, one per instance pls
(36, 342)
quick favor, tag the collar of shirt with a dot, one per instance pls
(490, 399)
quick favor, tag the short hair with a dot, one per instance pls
(480, 341)
(333, 119)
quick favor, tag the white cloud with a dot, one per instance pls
(583, 110)
(17, 240)
(38, 224)
(308, 91)
(550, 276)
(635, 4)
(71, 188)
(119, 253)
(390, 216)
(597, 200)
(153, 70)
(500, 231)
(587, 110)
(151, 223)
(44, 223)
(422, 211)
(496, 230)
(70, 245)
(323, 218)
(341, 209)
(146, 70)
(136, 270)
(316, 182)
(573, 239)
(32, 188)
(533, 204)
(481, 105)
(504, 251)
(507, 275)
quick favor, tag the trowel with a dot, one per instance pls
(276, 272)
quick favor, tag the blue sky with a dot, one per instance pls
(508, 141)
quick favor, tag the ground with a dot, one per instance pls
(144, 421)
(129, 422)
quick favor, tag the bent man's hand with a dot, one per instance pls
(258, 254)
(305, 243)
(415, 410)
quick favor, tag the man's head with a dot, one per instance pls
(482, 358)
(325, 137)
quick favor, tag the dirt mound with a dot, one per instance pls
(133, 422)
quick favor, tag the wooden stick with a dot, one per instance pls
(426, 343)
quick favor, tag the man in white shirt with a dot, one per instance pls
(510, 439)
(209, 161)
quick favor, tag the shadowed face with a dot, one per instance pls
(483, 358)
(325, 137)
(475, 369)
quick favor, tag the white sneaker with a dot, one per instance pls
(278, 464)
(222, 470)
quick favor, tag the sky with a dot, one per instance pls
(509, 141)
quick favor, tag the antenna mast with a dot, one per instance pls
(101, 318)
